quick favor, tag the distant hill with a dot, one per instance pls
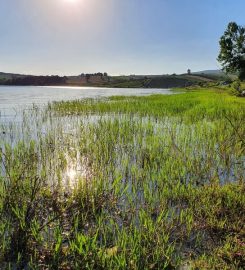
(7, 76)
(24, 80)
(157, 81)
(104, 80)
(211, 72)
(215, 74)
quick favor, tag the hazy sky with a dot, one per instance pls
(117, 36)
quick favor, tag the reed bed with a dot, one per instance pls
(125, 183)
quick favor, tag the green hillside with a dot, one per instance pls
(104, 80)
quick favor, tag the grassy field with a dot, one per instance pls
(101, 80)
(125, 183)
(136, 81)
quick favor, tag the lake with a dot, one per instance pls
(22, 96)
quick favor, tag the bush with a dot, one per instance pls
(236, 88)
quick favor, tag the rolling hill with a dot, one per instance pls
(103, 80)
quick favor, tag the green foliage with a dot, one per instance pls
(236, 87)
(232, 50)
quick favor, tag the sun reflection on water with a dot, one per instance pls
(77, 172)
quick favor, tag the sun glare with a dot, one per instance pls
(71, 1)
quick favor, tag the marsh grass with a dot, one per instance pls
(125, 183)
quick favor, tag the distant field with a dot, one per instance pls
(163, 81)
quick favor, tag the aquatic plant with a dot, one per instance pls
(125, 183)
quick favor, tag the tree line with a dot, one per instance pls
(35, 80)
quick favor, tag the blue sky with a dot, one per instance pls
(116, 36)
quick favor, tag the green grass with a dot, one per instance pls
(191, 106)
(125, 183)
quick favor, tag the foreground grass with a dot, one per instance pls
(153, 183)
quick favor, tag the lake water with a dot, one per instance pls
(22, 96)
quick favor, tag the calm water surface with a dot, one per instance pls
(22, 96)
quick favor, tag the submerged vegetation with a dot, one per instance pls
(125, 183)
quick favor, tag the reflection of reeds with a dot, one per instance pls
(124, 183)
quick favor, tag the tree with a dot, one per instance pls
(87, 77)
(232, 50)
